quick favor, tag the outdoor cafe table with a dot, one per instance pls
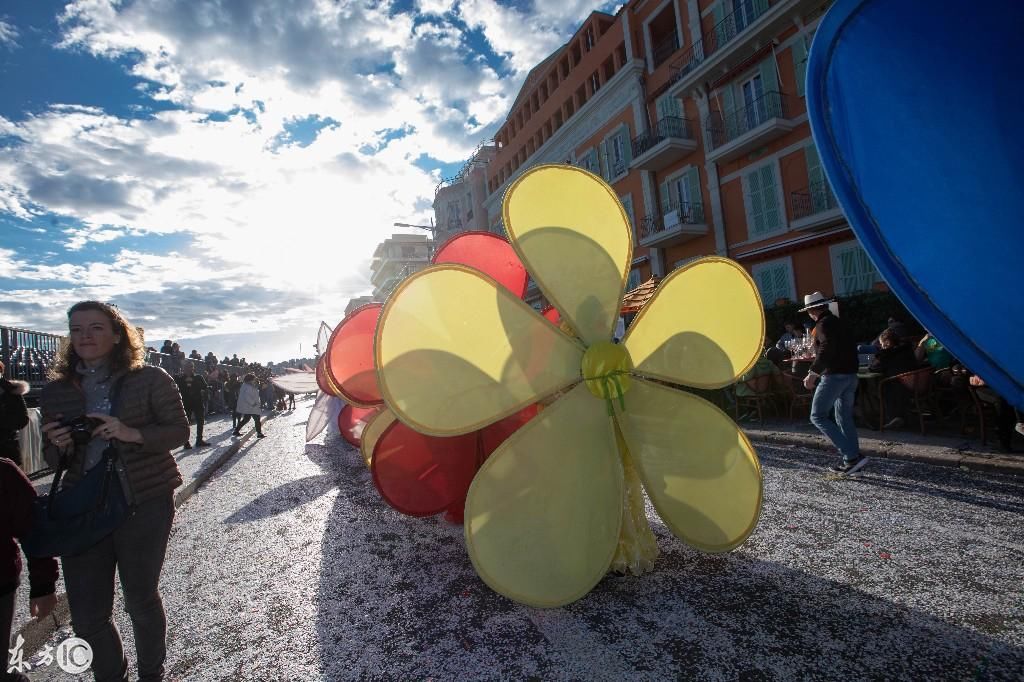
(867, 407)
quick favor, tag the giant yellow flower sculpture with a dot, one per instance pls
(559, 503)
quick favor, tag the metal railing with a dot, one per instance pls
(721, 34)
(472, 162)
(665, 49)
(815, 198)
(687, 213)
(27, 354)
(668, 127)
(723, 129)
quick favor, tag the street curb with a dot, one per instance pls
(36, 632)
(901, 451)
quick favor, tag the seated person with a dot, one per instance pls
(894, 357)
(930, 350)
(762, 367)
(895, 325)
(1007, 419)
(791, 334)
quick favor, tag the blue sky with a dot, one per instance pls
(223, 170)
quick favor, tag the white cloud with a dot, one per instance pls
(8, 35)
(294, 224)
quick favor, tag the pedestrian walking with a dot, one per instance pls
(834, 370)
(249, 405)
(101, 371)
(195, 393)
(231, 387)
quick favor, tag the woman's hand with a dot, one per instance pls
(113, 429)
(810, 380)
(41, 607)
(57, 435)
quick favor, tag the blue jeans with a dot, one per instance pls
(837, 390)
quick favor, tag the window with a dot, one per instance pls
(682, 192)
(760, 191)
(774, 280)
(617, 154)
(800, 63)
(588, 161)
(668, 106)
(852, 270)
(410, 251)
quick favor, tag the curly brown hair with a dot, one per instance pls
(129, 353)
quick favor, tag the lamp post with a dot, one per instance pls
(431, 228)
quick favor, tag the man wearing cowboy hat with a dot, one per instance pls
(835, 372)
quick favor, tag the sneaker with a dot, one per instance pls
(261, 435)
(186, 446)
(848, 468)
(202, 444)
(236, 434)
(894, 423)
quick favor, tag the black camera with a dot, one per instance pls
(82, 428)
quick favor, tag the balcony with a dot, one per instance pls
(680, 224)
(668, 141)
(753, 23)
(747, 128)
(815, 207)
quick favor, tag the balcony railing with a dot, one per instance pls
(686, 213)
(816, 198)
(720, 35)
(670, 126)
(723, 129)
(665, 49)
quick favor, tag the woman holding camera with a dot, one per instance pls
(105, 354)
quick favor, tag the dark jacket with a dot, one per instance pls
(194, 391)
(13, 417)
(16, 495)
(149, 402)
(895, 360)
(835, 347)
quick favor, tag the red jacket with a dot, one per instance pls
(16, 495)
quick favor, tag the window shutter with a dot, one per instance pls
(764, 285)
(771, 102)
(756, 225)
(634, 280)
(780, 277)
(729, 122)
(800, 63)
(760, 7)
(666, 203)
(627, 147)
(592, 165)
(772, 215)
(696, 201)
(815, 179)
(603, 158)
(718, 12)
(627, 205)
(667, 106)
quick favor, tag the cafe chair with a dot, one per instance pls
(763, 393)
(922, 399)
(797, 394)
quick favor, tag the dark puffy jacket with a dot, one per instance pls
(13, 417)
(149, 402)
(836, 349)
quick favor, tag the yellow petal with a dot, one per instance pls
(572, 233)
(543, 513)
(699, 470)
(376, 426)
(703, 328)
(455, 352)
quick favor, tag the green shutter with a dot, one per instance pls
(627, 145)
(764, 284)
(693, 186)
(760, 7)
(772, 215)
(592, 163)
(666, 203)
(729, 121)
(627, 204)
(780, 277)
(800, 63)
(603, 158)
(718, 13)
(757, 225)
(815, 179)
(847, 271)
(667, 106)
(770, 105)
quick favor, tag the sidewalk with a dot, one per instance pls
(941, 449)
(197, 465)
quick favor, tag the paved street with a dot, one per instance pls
(286, 565)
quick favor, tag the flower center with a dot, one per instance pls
(606, 368)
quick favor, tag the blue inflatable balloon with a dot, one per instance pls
(917, 110)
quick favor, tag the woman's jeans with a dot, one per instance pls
(838, 390)
(136, 550)
(245, 420)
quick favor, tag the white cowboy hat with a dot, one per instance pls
(815, 300)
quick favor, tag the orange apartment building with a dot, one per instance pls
(693, 111)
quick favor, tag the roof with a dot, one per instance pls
(634, 300)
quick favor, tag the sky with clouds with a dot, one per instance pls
(223, 169)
